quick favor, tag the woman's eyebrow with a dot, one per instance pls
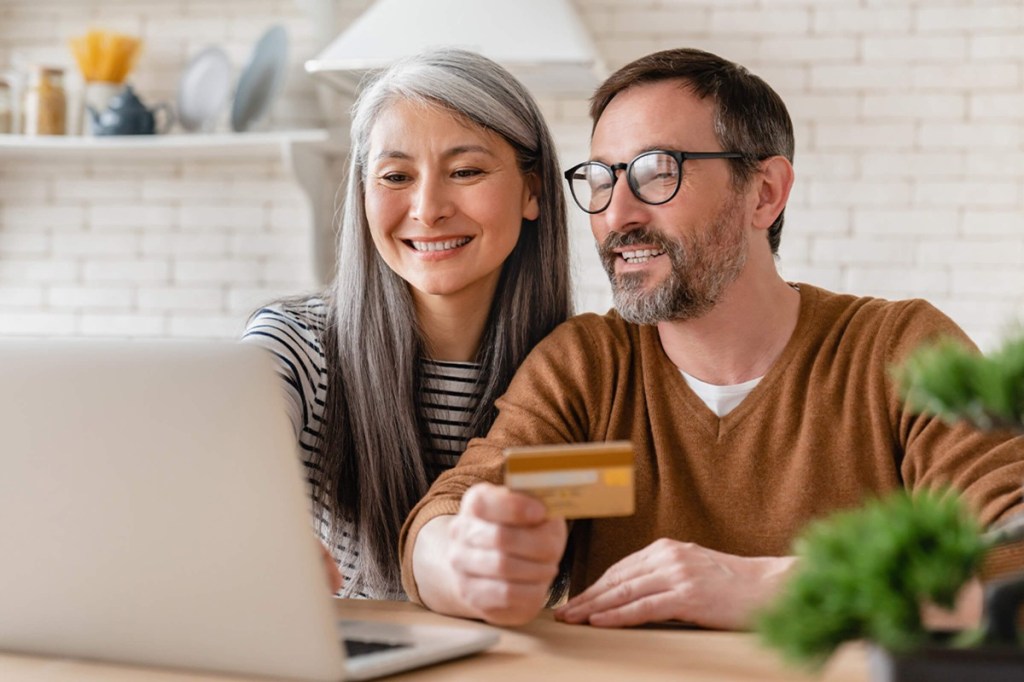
(448, 153)
(468, 149)
(392, 154)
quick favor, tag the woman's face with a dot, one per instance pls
(445, 200)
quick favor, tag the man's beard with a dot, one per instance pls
(702, 266)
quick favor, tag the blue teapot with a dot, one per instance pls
(127, 115)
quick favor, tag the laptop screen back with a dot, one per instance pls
(152, 511)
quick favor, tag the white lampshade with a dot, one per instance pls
(542, 42)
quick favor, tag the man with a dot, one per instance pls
(754, 405)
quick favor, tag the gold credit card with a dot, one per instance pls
(575, 481)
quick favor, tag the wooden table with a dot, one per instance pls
(542, 650)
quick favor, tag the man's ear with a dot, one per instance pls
(531, 196)
(773, 183)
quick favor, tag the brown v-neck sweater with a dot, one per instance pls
(824, 429)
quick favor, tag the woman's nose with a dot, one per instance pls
(431, 202)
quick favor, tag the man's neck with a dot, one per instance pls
(742, 337)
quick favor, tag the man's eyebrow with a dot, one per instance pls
(448, 153)
(642, 150)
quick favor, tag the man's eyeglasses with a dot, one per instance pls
(654, 177)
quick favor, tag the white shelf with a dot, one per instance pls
(178, 145)
(312, 156)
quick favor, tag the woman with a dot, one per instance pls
(453, 264)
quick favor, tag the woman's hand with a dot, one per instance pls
(334, 578)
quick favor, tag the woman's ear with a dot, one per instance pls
(773, 182)
(531, 196)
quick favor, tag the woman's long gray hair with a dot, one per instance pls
(372, 442)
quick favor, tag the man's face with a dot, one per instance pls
(673, 261)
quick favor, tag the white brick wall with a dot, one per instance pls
(910, 161)
(100, 250)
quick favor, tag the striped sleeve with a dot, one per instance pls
(291, 334)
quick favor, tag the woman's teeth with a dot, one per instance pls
(641, 256)
(440, 246)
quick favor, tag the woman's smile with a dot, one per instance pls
(438, 248)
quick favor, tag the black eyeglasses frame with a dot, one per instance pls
(679, 156)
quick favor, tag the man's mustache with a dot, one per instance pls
(641, 235)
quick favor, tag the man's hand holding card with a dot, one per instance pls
(502, 549)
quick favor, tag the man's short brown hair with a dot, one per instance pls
(750, 117)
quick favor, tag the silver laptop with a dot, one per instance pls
(152, 511)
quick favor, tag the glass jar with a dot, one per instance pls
(45, 104)
(6, 108)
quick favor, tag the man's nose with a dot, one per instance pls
(431, 202)
(625, 211)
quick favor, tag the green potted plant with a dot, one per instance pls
(956, 383)
(866, 573)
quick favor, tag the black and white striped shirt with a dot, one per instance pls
(292, 332)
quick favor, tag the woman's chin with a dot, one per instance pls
(455, 288)
(435, 289)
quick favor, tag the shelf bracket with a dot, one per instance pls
(319, 171)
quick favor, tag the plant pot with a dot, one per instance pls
(1000, 659)
(943, 664)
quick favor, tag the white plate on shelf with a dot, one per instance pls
(204, 89)
(262, 79)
